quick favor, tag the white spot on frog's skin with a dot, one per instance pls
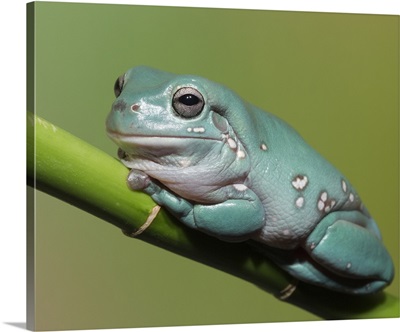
(241, 154)
(327, 209)
(240, 187)
(312, 246)
(348, 266)
(189, 130)
(300, 182)
(330, 206)
(351, 197)
(286, 232)
(263, 147)
(344, 186)
(199, 130)
(325, 204)
(300, 202)
(232, 144)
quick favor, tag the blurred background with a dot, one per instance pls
(331, 76)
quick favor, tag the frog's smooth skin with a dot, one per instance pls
(233, 171)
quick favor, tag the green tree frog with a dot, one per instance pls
(227, 168)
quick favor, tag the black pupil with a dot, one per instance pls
(189, 100)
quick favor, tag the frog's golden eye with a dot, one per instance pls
(118, 86)
(188, 102)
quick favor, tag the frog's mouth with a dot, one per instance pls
(149, 140)
(164, 144)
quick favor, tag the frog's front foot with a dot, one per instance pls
(138, 180)
(232, 220)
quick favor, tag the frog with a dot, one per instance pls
(227, 168)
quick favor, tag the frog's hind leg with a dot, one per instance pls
(344, 253)
(348, 244)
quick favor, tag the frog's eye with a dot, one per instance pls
(188, 102)
(119, 84)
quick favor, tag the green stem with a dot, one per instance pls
(78, 173)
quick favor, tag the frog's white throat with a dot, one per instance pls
(195, 174)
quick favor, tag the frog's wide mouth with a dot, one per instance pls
(151, 140)
(162, 144)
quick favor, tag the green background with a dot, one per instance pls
(334, 77)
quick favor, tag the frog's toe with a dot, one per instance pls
(138, 180)
(342, 246)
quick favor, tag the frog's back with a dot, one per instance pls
(297, 186)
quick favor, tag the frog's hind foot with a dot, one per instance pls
(346, 244)
(343, 253)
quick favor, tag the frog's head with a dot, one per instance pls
(158, 114)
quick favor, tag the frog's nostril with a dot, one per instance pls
(119, 106)
(135, 107)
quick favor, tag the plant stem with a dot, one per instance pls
(78, 173)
